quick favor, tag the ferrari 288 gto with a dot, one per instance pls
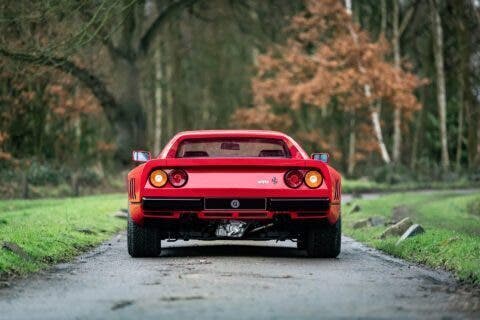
(234, 184)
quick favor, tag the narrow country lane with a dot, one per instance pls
(247, 280)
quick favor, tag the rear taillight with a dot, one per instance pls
(178, 178)
(293, 178)
(313, 179)
(158, 178)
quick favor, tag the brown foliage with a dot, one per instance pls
(327, 58)
(46, 109)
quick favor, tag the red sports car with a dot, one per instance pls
(234, 184)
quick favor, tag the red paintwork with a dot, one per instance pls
(233, 177)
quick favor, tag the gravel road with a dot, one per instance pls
(233, 280)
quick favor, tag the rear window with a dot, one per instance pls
(233, 148)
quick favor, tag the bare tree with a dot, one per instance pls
(437, 32)
(374, 109)
(119, 94)
(398, 30)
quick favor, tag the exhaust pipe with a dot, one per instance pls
(262, 227)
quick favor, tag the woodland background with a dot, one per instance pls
(391, 88)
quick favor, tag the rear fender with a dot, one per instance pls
(137, 178)
(333, 181)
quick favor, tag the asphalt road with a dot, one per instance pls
(233, 280)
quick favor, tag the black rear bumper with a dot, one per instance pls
(268, 204)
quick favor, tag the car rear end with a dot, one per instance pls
(208, 187)
(260, 198)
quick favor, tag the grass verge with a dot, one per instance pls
(452, 237)
(366, 185)
(54, 230)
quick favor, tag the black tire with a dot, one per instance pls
(142, 241)
(324, 242)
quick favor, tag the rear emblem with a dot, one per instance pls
(235, 204)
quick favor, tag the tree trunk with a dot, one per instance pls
(461, 101)
(458, 156)
(130, 126)
(367, 90)
(440, 80)
(467, 116)
(416, 136)
(383, 23)
(351, 148)
(377, 128)
(397, 115)
(418, 130)
(157, 141)
(463, 39)
(352, 137)
(348, 6)
(378, 134)
(472, 117)
(169, 101)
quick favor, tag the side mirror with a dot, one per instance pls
(321, 156)
(141, 156)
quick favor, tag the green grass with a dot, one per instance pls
(452, 238)
(362, 185)
(366, 185)
(50, 230)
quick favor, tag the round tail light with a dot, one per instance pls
(177, 178)
(313, 179)
(293, 178)
(158, 178)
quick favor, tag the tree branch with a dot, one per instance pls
(115, 51)
(105, 39)
(174, 8)
(405, 21)
(96, 86)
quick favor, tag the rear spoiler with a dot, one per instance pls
(235, 162)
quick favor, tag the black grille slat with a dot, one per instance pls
(230, 203)
(184, 204)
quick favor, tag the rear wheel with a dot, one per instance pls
(324, 242)
(142, 241)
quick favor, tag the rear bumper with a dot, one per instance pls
(221, 208)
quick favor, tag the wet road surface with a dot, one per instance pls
(231, 280)
(234, 280)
